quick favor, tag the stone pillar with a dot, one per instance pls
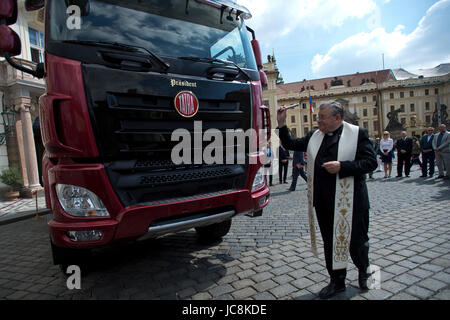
(20, 147)
(23, 106)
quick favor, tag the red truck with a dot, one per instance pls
(121, 78)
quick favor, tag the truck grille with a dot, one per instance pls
(133, 129)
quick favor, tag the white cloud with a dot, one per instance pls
(425, 47)
(272, 19)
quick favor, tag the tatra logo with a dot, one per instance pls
(184, 83)
(186, 103)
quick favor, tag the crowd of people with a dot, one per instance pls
(338, 157)
(431, 150)
(433, 147)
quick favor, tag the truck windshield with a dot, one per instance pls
(168, 28)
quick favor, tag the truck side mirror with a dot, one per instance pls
(263, 78)
(8, 11)
(257, 53)
(31, 5)
(9, 41)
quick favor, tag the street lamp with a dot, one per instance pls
(9, 119)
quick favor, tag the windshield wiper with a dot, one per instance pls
(120, 46)
(218, 61)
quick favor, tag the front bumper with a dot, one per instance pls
(140, 221)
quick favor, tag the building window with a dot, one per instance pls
(427, 92)
(375, 111)
(436, 91)
(374, 98)
(375, 125)
(391, 95)
(292, 119)
(392, 108)
(428, 120)
(305, 118)
(366, 125)
(364, 112)
(402, 94)
(36, 45)
(294, 132)
(411, 93)
(304, 105)
(305, 131)
(412, 108)
(402, 108)
(314, 117)
(364, 99)
(427, 106)
(412, 121)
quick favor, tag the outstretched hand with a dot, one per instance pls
(281, 116)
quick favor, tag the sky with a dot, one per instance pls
(314, 39)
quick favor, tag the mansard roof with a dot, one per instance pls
(351, 80)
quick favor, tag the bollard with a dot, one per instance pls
(37, 216)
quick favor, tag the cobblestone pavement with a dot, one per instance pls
(261, 258)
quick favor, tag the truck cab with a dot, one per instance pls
(140, 96)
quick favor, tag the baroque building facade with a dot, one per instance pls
(377, 100)
(20, 142)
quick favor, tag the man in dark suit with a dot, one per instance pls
(283, 157)
(426, 147)
(298, 162)
(404, 147)
(326, 176)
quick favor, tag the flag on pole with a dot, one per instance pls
(311, 105)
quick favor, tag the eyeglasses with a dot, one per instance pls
(321, 118)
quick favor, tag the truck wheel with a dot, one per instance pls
(214, 231)
(64, 257)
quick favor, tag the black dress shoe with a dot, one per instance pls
(332, 289)
(362, 280)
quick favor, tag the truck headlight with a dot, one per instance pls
(258, 182)
(80, 202)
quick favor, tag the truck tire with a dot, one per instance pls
(64, 257)
(214, 231)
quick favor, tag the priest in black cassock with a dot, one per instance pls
(339, 157)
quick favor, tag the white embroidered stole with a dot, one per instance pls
(313, 147)
(343, 208)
